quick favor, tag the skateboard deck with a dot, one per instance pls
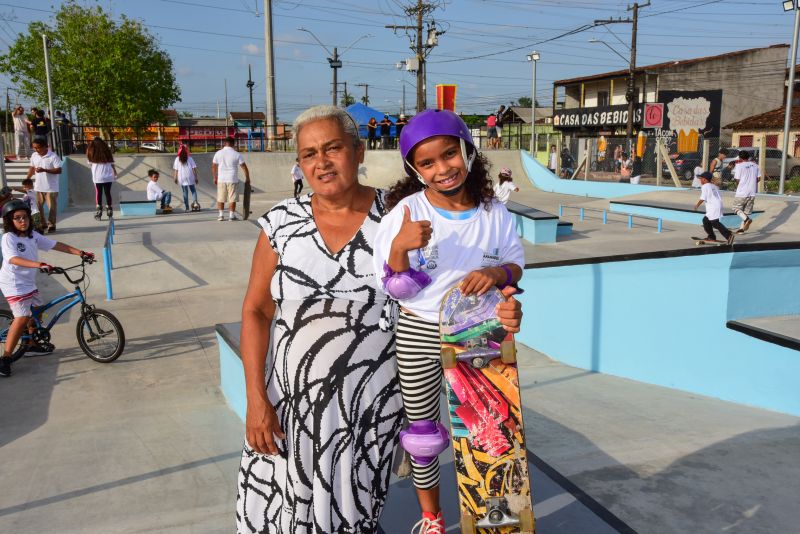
(246, 202)
(704, 241)
(487, 433)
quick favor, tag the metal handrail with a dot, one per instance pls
(108, 263)
(582, 210)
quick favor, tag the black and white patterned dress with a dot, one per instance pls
(332, 376)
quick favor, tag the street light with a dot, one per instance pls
(788, 6)
(334, 61)
(626, 60)
(404, 82)
(533, 57)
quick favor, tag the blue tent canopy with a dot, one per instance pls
(362, 114)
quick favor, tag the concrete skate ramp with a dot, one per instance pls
(269, 173)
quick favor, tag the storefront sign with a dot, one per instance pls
(597, 117)
(692, 115)
(653, 116)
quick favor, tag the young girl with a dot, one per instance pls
(184, 171)
(21, 245)
(103, 175)
(446, 226)
(504, 185)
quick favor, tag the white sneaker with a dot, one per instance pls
(221, 218)
(233, 217)
(429, 524)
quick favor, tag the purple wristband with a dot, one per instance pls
(509, 277)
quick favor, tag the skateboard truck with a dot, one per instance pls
(424, 440)
(497, 514)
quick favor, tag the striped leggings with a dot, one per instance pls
(418, 350)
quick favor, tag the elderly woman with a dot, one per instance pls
(323, 414)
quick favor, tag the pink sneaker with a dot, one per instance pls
(429, 524)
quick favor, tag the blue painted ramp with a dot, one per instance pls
(545, 180)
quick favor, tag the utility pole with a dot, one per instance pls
(336, 64)
(8, 106)
(366, 92)
(272, 117)
(226, 107)
(46, 44)
(419, 46)
(787, 119)
(250, 85)
(630, 93)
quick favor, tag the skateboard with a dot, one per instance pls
(246, 202)
(194, 206)
(166, 209)
(704, 241)
(487, 433)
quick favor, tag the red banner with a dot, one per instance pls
(446, 97)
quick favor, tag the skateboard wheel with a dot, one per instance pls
(508, 352)
(449, 358)
(467, 524)
(527, 524)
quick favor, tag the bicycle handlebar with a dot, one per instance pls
(49, 269)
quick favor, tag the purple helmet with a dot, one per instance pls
(430, 123)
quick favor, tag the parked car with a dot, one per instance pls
(772, 162)
(684, 164)
(155, 147)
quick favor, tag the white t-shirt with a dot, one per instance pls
(154, 191)
(29, 198)
(185, 171)
(16, 280)
(297, 173)
(102, 172)
(46, 182)
(228, 161)
(746, 173)
(553, 161)
(710, 194)
(503, 191)
(20, 124)
(457, 247)
(697, 172)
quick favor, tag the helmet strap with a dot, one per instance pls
(468, 161)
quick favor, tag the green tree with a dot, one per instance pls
(347, 99)
(524, 101)
(111, 73)
(365, 100)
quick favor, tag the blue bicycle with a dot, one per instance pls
(100, 334)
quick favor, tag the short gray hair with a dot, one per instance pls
(345, 120)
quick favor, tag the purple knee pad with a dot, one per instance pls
(405, 284)
(424, 440)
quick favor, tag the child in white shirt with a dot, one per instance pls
(444, 227)
(709, 193)
(20, 246)
(155, 192)
(504, 187)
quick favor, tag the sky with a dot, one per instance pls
(483, 50)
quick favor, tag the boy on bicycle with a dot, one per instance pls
(20, 246)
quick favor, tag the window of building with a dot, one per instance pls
(745, 140)
(602, 98)
(772, 141)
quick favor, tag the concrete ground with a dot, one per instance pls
(147, 444)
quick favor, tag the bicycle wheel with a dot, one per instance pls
(6, 318)
(100, 336)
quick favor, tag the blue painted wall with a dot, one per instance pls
(662, 322)
(231, 378)
(547, 181)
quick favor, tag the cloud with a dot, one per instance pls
(250, 48)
